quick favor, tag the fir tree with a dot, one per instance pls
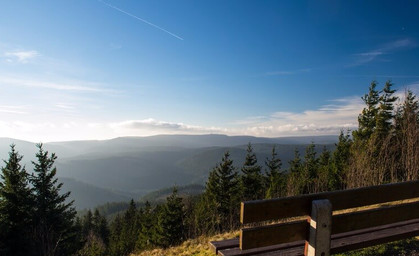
(367, 119)
(340, 162)
(324, 171)
(223, 188)
(170, 227)
(251, 179)
(385, 111)
(130, 229)
(115, 241)
(54, 218)
(295, 182)
(310, 169)
(100, 227)
(147, 228)
(16, 207)
(274, 177)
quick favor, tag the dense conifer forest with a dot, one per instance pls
(36, 220)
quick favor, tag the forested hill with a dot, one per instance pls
(119, 169)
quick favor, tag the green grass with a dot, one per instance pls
(409, 247)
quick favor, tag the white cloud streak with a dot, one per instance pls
(21, 56)
(72, 86)
(366, 57)
(143, 20)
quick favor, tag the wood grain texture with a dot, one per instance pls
(340, 242)
(273, 234)
(375, 217)
(265, 210)
(224, 244)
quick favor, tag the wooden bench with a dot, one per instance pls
(326, 223)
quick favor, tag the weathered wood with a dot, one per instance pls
(339, 242)
(318, 243)
(367, 239)
(224, 244)
(375, 217)
(283, 248)
(265, 210)
(298, 230)
(273, 234)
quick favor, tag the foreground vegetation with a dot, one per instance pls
(384, 149)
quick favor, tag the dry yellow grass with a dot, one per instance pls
(194, 247)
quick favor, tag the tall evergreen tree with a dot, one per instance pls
(310, 169)
(130, 229)
(275, 180)
(223, 189)
(324, 171)
(295, 181)
(115, 241)
(340, 162)
(54, 217)
(16, 207)
(147, 228)
(385, 114)
(367, 119)
(251, 178)
(171, 227)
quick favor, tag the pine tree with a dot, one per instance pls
(385, 114)
(310, 169)
(130, 229)
(147, 223)
(170, 227)
(324, 171)
(100, 226)
(295, 181)
(251, 178)
(222, 189)
(275, 180)
(16, 207)
(340, 162)
(54, 218)
(115, 241)
(367, 119)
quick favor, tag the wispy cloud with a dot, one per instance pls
(20, 56)
(140, 19)
(156, 127)
(327, 119)
(13, 109)
(388, 48)
(287, 72)
(79, 86)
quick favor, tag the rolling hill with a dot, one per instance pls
(113, 170)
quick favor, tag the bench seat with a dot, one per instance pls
(339, 242)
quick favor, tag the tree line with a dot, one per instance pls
(384, 149)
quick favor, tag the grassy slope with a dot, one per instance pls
(200, 247)
(195, 247)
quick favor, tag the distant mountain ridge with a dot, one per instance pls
(130, 167)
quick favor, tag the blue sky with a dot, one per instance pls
(102, 69)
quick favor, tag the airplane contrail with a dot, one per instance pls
(138, 18)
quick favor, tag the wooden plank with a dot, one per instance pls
(224, 244)
(273, 234)
(364, 240)
(318, 243)
(340, 242)
(375, 217)
(265, 210)
(260, 251)
(298, 230)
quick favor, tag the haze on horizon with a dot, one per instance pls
(76, 70)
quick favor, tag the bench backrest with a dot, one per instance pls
(288, 207)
